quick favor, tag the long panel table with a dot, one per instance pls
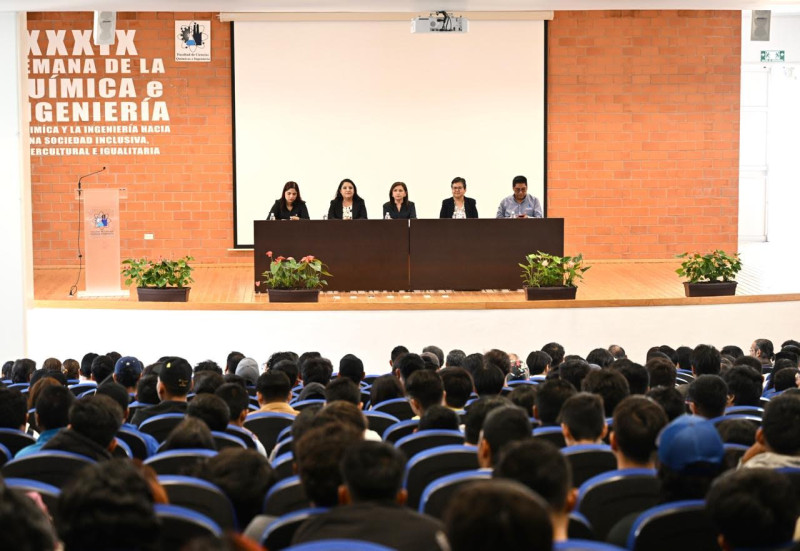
(391, 255)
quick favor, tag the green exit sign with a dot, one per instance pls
(773, 55)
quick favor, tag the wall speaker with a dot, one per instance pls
(759, 27)
(105, 25)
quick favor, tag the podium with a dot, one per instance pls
(101, 222)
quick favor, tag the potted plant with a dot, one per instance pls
(709, 275)
(161, 280)
(290, 280)
(547, 276)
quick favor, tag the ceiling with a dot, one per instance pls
(387, 5)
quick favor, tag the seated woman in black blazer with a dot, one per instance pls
(399, 206)
(458, 206)
(347, 205)
(290, 206)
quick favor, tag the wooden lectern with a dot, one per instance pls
(101, 222)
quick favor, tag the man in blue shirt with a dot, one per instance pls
(520, 205)
(52, 414)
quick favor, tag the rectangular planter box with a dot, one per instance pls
(163, 294)
(293, 295)
(551, 293)
(710, 289)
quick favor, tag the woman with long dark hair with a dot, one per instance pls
(347, 205)
(290, 206)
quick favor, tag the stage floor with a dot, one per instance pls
(607, 284)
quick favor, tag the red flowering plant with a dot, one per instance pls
(288, 273)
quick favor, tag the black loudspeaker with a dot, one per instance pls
(105, 25)
(759, 28)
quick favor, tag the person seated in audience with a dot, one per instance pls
(455, 358)
(342, 412)
(210, 409)
(636, 374)
(407, 364)
(207, 365)
(127, 372)
(385, 387)
(190, 434)
(147, 390)
(430, 360)
(438, 352)
(540, 466)
(750, 361)
(574, 371)
(600, 357)
(583, 420)
(290, 368)
(13, 409)
(502, 426)
(395, 354)
(732, 350)
(498, 514)
(7, 370)
(174, 383)
(705, 360)
(538, 363)
(670, 399)
(550, 396)
(207, 382)
(617, 352)
(458, 385)
(763, 350)
(753, 509)
(119, 394)
(33, 395)
(71, 369)
(662, 372)
(476, 415)
(22, 370)
(86, 366)
(107, 506)
(343, 389)
(93, 423)
(499, 359)
(744, 386)
(274, 392)
(473, 362)
(52, 415)
(316, 373)
(52, 364)
(238, 401)
(370, 505)
(778, 439)
(737, 431)
(609, 384)
(636, 426)
(247, 369)
(351, 367)
(277, 357)
(439, 417)
(707, 396)
(424, 389)
(524, 396)
(489, 380)
(785, 378)
(102, 369)
(556, 353)
(25, 524)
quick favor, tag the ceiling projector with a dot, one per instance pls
(440, 22)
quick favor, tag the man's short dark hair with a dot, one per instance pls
(489, 380)
(52, 407)
(524, 396)
(208, 365)
(519, 180)
(636, 374)
(473, 362)
(499, 359)
(439, 417)
(504, 425)
(437, 351)
(277, 357)
(455, 358)
(781, 424)
(107, 502)
(273, 386)
(102, 368)
(385, 387)
(86, 364)
(288, 367)
(13, 408)
(116, 392)
(745, 384)
(709, 394)
(373, 471)
(98, 418)
(211, 409)
(207, 382)
(408, 364)
(785, 378)
(476, 414)
(610, 385)
(396, 352)
(766, 348)
(749, 361)
(574, 371)
(732, 350)
(669, 398)
(753, 508)
(318, 454)
(539, 465)
(583, 415)
(537, 361)
(662, 372)
(191, 433)
(637, 423)
(352, 367)
(317, 370)
(146, 389)
(737, 431)
(341, 413)
(26, 527)
(555, 351)
(787, 355)
(425, 387)
(705, 360)
(343, 388)
(458, 385)
(22, 370)
(600, 357)
(235, 397)
(550, 396)
(232, 361)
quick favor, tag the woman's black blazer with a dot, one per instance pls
(359, 209)
(449, 207)
(299, 210)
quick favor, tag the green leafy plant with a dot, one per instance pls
(714, 266)
(288, 273)
(547, 270)
(158, 273)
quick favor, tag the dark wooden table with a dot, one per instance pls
(391, 255)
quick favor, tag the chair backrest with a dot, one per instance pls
(437, 494)
(80, 388)
(284, 434)
(177, 461)
(606, 498)
(267, 426)
(756, 420)
(135, 442)
(380, 421)
(435, 463)
(684, 525)
(180, 524)
(584, 545)
(399, 430)
(224, 440)
(122, 449)
(733, 453)
(15, 440)
(283, 447)
(303, 404)
(794, 476)
(747, 410)
(579, 527)
(5, 455)
(286, 496)
(338, 545)
(426, 439)
(279, 533)
(51, 467)
(202, 497)
(551, 434)
(159, 426)
(283, 465)
(588, 460)
(19, 386)
(242, 435)
(399, 407)
(48, 492)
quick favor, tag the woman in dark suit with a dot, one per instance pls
(398, 205)
(290, 206)
(458, 206)
(347, 205)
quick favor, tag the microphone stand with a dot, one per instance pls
(74, 289)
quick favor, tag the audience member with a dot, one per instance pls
(670, 399)
(430, 360)
(13, 409)
(778, 439)
(499, 359)
(406, 365)
(190, 434)
(438, 352)
(71, 369)
(395, 354)
(550, 396)
(210, 409)
(744, 386)
(247, 369)
(207, 365)
(476, 414)
(274, 392)
(455, 358)
(238, 402)
(489, 380)
(232, 361)
(316, 373)
(617, 351)
(127, 372)
(501, 426)
(102, 369)
(574, 371)
(524, 396)
(763, 351)
(317, 456)
(93, 423)
(662, 372)
(473, 362)
(24, 525)
(22, 370)
(174, 383)
(609, 385)
(732, 350)
(52, 414)
(556, 353)
(424, 389)
(785, 378)
(52, 364)
(119, 394)
(207, 382)
(147, 390)
(343, 388)
(278, 357)
(583, 419)
(352, 368)
(458, 385)
(385, 387)
(439, 417)
(86, 366)
(636, 374)
(737, 431)
(636, 426)
(707, 396)
(705, 360)
(290, 368)
(538, 362)
(600, 357)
